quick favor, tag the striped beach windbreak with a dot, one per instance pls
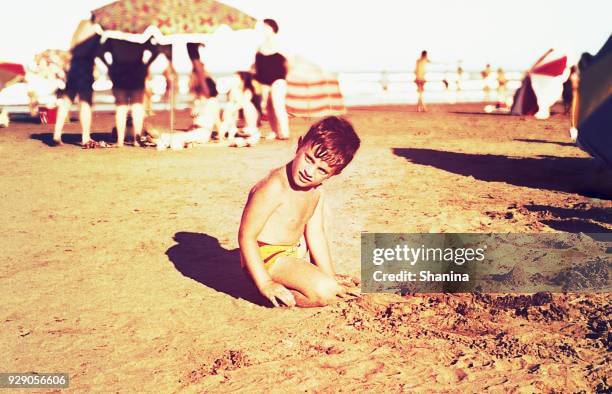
(312, 91)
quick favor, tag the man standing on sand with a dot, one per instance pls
(128, 73)
(84, 49)
(420, 80)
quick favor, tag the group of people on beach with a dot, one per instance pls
(283, 216)
(256, 95)
(420, 71)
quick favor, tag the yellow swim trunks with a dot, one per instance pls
(271, 253)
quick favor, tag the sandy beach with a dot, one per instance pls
(120, 266)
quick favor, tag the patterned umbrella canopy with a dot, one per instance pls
(171, 16)
(51, 64)
(9, 73)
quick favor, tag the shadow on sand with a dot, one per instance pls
(545, 142)
(200, 257)
(73, 138)
(481, 113)
(564, 174)
(27, 118)
(578, 220)
(593, 230)
(24, 118)
(598, 214)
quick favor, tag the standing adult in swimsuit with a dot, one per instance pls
(271, 73)
(79, 82)
(419, 80)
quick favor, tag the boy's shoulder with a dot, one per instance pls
(274, 182)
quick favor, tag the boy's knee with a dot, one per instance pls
(324, 292)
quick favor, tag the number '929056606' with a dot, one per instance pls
(34, 380)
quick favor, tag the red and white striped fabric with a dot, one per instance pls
(551, 64)
(312, 91)
(9, 73)
(542, 86)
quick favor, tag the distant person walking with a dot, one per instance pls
(502, 89)
(128, 72)
(271, 72)
(84, 48)
(486, 75)
(420, 70)
(570, 99)
(459, 76)
(569, 86)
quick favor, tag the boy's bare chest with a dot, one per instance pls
(296, 209)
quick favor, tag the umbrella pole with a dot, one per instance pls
(172, 102)
(172, 96)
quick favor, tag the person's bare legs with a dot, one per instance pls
(228, 125)
(200, 135)
(310, 286)
(62, 113)
(575, 106)
(272, 120)
(279, 94)
(4, 118)
(120, 123)
(267, 110)
(138, 115)
(420, 104)
(210, 116)
(85, 119)
(265, 97)
(250, 115)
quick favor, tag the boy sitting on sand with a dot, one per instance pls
(287, 204)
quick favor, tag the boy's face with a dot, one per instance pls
(308, 170)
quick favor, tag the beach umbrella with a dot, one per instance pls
(166, 18)
(594, 120)
(169, 21)
(10, 73)
(311, 90)
(544, 82)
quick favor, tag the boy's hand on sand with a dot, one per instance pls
(347, 280)
(274, 291)
(348, 285)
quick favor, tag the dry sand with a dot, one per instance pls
(119, 266)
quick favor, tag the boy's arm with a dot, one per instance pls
(319, 248)
(316, 240)
(260, 205)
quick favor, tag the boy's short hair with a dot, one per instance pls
(335, 140)
(272, 23)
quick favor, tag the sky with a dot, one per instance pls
(352, 35)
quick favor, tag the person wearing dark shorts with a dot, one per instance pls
(128, 72)
(79, 82)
